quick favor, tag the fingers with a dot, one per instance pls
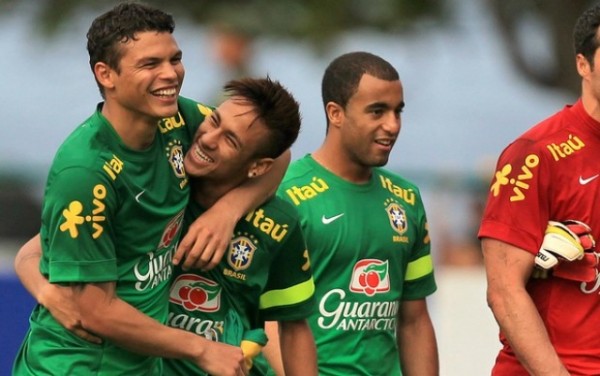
(204, 253)
(217, 251)
(199, 255)
(87, 336)
(183, 248)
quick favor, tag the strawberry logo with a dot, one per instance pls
(370, 276)
(171, 231)
(196, 293)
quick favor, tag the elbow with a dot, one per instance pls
(502, 302)
(492, 299)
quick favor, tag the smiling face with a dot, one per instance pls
(225, 146)
(370, 123)
(149, 76)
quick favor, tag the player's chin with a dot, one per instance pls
(379, 160)
(167, 111)
(165, 107)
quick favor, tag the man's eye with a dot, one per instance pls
(232, 142)
(149, 64)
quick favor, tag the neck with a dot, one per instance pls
(335, 159)
(206, 191)
(136, 130)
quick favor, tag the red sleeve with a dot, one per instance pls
(517, 206)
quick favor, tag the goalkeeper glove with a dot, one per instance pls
(564, 241)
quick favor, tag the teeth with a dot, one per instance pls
(385, 143)
(166, 92)
(202, 156)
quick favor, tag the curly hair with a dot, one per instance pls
(119, 25)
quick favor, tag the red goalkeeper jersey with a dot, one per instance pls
(552, 172)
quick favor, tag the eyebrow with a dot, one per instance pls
(155, 59)
(216, 116)
(383, 105)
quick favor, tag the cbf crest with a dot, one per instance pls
(174, 152)
(241, 251)
(397, 216)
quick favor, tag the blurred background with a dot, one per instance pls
(476, 74)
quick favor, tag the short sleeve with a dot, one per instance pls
(77, 237)
(289, 294)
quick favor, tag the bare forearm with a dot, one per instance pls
(521, 324)
(27, 267)
(418, 348)
(298, 351)
(121, 323)
(508, 270)
(272, 350)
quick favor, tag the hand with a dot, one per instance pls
(61, 302)
(252, 344)
(566, 240)
(206, 241)
(220, 359)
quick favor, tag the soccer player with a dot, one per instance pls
(266, 273)
(366, 230)
(113, 211)
(548, 325)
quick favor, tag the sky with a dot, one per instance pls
(464, 102)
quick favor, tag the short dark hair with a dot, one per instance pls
(585, 38)
(342, 76)
(275, 106)
(119, 25)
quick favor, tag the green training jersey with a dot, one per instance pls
(370, 251)
(110, 214)
(265, 275)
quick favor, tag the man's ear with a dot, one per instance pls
(104, 75)
(260, 167)
(335, 114)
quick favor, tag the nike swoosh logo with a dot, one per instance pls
(137, 197)
(327, 221)
(583, 181)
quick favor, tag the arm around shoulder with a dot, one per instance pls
(206, 241)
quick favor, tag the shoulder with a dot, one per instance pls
(389, 179)
(190, 107)
(560, 128)
(188, 118)
(402, 188)
(299, 170)
(279, 210)
(87, 147)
